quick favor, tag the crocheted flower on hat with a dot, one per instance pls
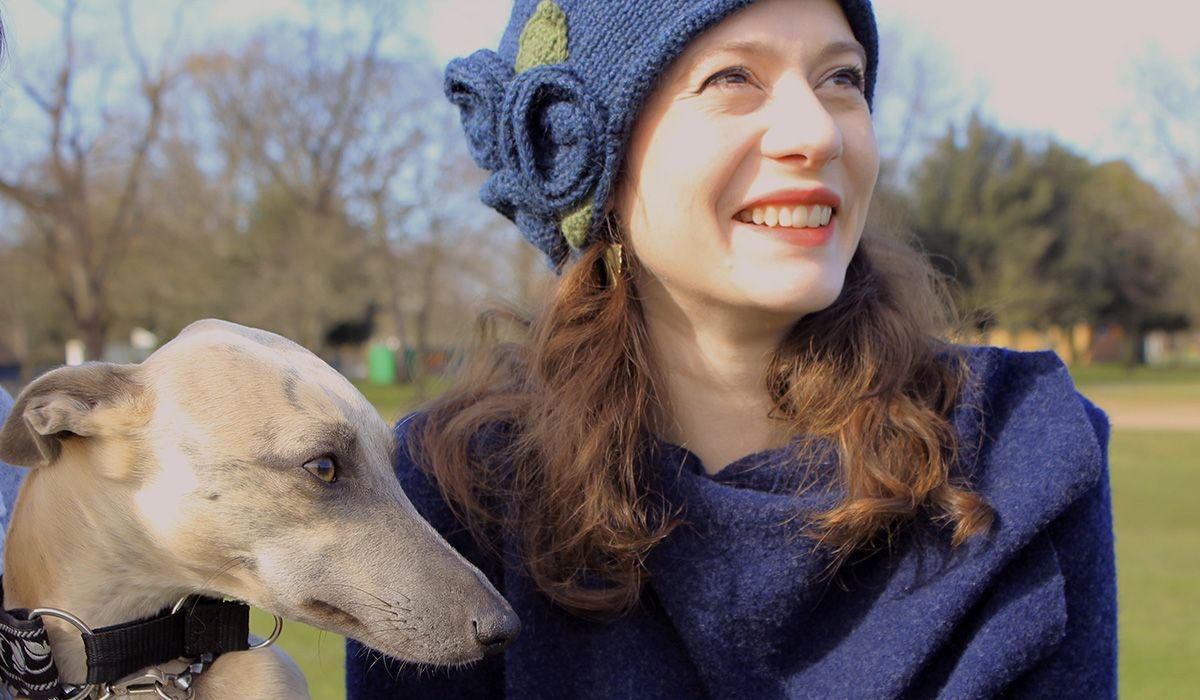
(476, 86)
(539, 129)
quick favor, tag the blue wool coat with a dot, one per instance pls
(10, 480)
(739, 607)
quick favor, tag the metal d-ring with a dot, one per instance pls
(261, 645)
(274, 635)
(86, 688)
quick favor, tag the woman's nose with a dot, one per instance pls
(799, 128)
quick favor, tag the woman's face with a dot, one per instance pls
(751, 168)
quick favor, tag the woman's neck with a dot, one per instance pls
(713, 375)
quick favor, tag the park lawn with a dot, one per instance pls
(321, 655)
(1173, 393)
(1139, 378)
(394, 400)
(1156, 479)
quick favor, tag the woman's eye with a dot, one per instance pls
(851, 77)
(323, 468)
(736, 75)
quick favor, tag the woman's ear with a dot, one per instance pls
(62, 404)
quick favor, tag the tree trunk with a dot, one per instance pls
(424, 314)
(95, 336)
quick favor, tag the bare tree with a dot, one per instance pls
(438, 246)
(1169, 89)
(353, 151)
(917, 97)
(80, 191)
(309, 121)
(1170, 99)
(287, 182)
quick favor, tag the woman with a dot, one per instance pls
(730, 458)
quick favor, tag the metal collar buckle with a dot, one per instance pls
(156, 682)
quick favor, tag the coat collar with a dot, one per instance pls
(753, 601)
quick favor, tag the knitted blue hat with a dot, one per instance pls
(550, 113)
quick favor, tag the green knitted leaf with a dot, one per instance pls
(576, 224)
(544, 38)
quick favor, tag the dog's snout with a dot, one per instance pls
(496, 629)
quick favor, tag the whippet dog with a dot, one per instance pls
(231, 463)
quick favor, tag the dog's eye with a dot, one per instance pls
(323, 468)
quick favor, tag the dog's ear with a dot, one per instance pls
(61, 404)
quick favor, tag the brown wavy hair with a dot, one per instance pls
(572, 389)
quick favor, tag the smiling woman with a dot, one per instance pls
(731, 456)
(760, 131)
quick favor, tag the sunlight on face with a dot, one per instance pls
(751, 168)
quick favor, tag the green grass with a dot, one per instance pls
(1136, 378)
(394, 400)
(1144, 385)
(1156, 479)
(1156, 476)
(321, 655)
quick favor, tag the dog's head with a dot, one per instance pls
(235, 462)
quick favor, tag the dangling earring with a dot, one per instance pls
(614, 262)
(614, 254)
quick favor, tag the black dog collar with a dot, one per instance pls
(197, 627)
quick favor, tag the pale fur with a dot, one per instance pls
(185, 475)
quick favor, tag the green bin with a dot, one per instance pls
(381, 365)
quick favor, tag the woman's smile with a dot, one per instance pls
(801, 216)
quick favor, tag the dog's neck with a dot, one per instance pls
(58, 556)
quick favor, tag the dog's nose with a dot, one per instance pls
(495, 629)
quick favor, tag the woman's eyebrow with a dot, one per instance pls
(748, 47)
(841, 47)
(752, 47)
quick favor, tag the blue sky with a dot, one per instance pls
(1062, 68)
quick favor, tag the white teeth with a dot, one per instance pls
(787, 217)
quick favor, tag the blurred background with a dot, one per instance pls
(292, 164)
